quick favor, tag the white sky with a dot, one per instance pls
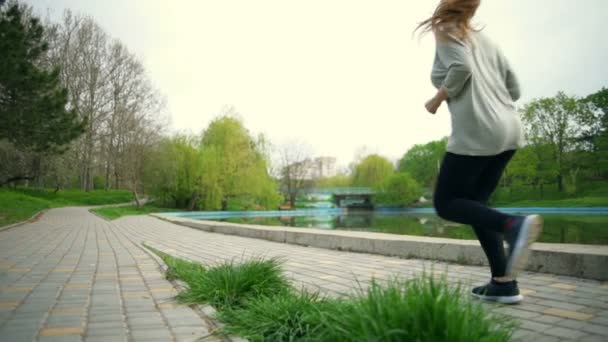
(338, 74)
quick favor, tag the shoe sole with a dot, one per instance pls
(530, 230)
(500, 299)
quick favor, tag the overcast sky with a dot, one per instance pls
(339, 74)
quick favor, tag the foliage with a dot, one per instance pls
(174, 172)
(557, 123)
(423, 161)
(340, 180)
(33, 113)
(399, 190)
(233, 166)
(373, 171)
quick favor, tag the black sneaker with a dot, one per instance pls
(523, 232)
(505, 293)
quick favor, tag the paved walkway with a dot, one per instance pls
(73, 276)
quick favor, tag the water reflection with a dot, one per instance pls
(589, 229)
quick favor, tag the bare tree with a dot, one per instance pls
(294, 160)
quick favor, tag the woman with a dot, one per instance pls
(475, 79)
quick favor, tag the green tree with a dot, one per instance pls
(337, 181)
(174, 172)
(234, 168)
(559, 123)
(372, 171)
(33, 113)
(423, 161)
(597, 129)
(400, 189)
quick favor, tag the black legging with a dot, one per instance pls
(463, 188)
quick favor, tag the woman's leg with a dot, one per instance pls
(455, 196)
(491, 241)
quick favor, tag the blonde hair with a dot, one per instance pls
(451, 15)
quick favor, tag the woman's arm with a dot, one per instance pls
(433, 104)
(454, 55)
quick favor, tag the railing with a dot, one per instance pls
(341, 191)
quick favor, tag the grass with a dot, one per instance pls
(112, 213)
(586, 201)
(284, 317)
(232, 285)
(255, 301)
(188, 271)
(22, 203)
(421, 309)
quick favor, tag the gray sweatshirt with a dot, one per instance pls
(481, 89)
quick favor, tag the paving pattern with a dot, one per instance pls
(72, 276)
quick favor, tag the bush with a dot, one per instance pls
(399, 190)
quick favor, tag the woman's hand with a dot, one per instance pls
(433, 104)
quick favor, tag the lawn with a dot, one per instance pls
(22, 203)
(112, 213)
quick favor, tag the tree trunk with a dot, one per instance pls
(193, 201)
(36, 170)
(137, 202)
(292, 200)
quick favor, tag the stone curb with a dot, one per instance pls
(207, 312)
(582, 261)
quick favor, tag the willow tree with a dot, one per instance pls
(373, 171)
(234, 167)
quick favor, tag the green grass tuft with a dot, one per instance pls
(284, 317)
(188, 271)
(230, 285)
(421, 309)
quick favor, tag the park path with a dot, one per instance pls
(73, 276)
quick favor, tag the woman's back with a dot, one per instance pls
(482, 89)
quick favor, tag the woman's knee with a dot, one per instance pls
(441, 205)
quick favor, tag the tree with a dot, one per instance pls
(233, 167)
(372, 171)
(399, 189)
(337, 181)
(597, 131)
(522, 169)
(423, 161)
(295, 166)
(33, 113)
(557, 122)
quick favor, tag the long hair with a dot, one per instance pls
(452, 15)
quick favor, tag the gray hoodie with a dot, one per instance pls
(481, 89)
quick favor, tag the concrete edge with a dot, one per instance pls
(13, 225)
(581, 261)
(205, 311)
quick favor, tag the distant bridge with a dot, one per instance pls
(350, 197)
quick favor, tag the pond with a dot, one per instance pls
(578, 227)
